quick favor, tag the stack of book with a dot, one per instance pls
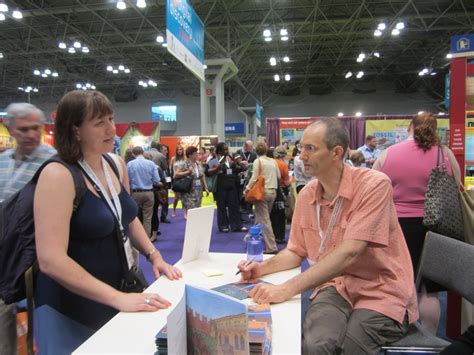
(161, 341)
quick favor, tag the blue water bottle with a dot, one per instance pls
(255, 244)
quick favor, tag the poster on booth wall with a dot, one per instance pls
(291, 130)
(140, 141)
(389, 132)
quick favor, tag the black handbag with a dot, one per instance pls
(183, 184)
(442, 210)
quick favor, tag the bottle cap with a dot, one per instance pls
(254, 230)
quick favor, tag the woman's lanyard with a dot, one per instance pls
(196, 169)
(335, 214)
(115, 206)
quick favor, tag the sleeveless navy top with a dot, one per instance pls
(93, 244)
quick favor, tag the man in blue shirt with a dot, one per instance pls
(143, 175)
(17, 167)
(370, 151)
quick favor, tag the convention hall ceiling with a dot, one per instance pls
(325, 39)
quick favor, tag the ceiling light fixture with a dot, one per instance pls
(340, 114)
(358, 114)
(267, 33)
(77, 44)
(381, 26)
(28, 89)
(141, 4)
(377, 54)
(73, 47)
(348, 75)
(3, 7)
(164, 44)
(421, 112)
(283, 32)
(287, 77)
(62, 45)
(395, 32)
(449, 56)
(2, 17)
(400, 26)
(268, 39)
(17, 14)
(85, 50)
(1, 55)
(286, 59)
(85, 86)
(45, 73)
(276, 77)
(377, 33)
(360, 75)
(71, 50)
(284, 38)
(160, 39)
(121, 5)
(273, 61)
(148, 83)
(119, 69)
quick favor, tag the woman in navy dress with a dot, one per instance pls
(78, 251)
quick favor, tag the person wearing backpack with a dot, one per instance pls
(81, 252)
(17, 167)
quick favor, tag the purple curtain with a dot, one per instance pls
(273, 131)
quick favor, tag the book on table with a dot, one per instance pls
(207, 321)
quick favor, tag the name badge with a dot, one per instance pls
(229, 171)
(168, 179)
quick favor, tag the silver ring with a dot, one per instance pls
(147, 300)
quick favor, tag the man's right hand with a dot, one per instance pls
(249, 272)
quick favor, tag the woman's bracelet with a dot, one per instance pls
(151, 253)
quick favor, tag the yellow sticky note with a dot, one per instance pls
(212, 272)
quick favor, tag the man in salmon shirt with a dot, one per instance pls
(345, 224)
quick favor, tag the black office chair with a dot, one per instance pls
(449, 263)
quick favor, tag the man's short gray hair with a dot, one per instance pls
(22, 109)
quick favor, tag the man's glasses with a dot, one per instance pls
(309, 148)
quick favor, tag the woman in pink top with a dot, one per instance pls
(408, 164)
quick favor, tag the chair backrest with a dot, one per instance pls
(448, 262)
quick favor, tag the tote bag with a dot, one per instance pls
(442, 210)
(257, 191)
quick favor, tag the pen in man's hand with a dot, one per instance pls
(246, 264)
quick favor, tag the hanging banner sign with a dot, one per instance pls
(234, 128)
(185, 35)
(462, 46)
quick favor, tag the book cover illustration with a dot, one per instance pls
(239, 290)
(207, 322)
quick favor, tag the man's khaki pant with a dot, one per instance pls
(331, 326)
(145, 200)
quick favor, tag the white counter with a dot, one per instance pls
(134, 333)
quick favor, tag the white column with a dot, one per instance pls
(220, 119)
(204, 111)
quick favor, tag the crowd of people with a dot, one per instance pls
(357, 220)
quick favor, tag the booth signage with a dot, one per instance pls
(234, 128)
(185, 35)
(462, 45)
(258, 114)
(457, 138)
